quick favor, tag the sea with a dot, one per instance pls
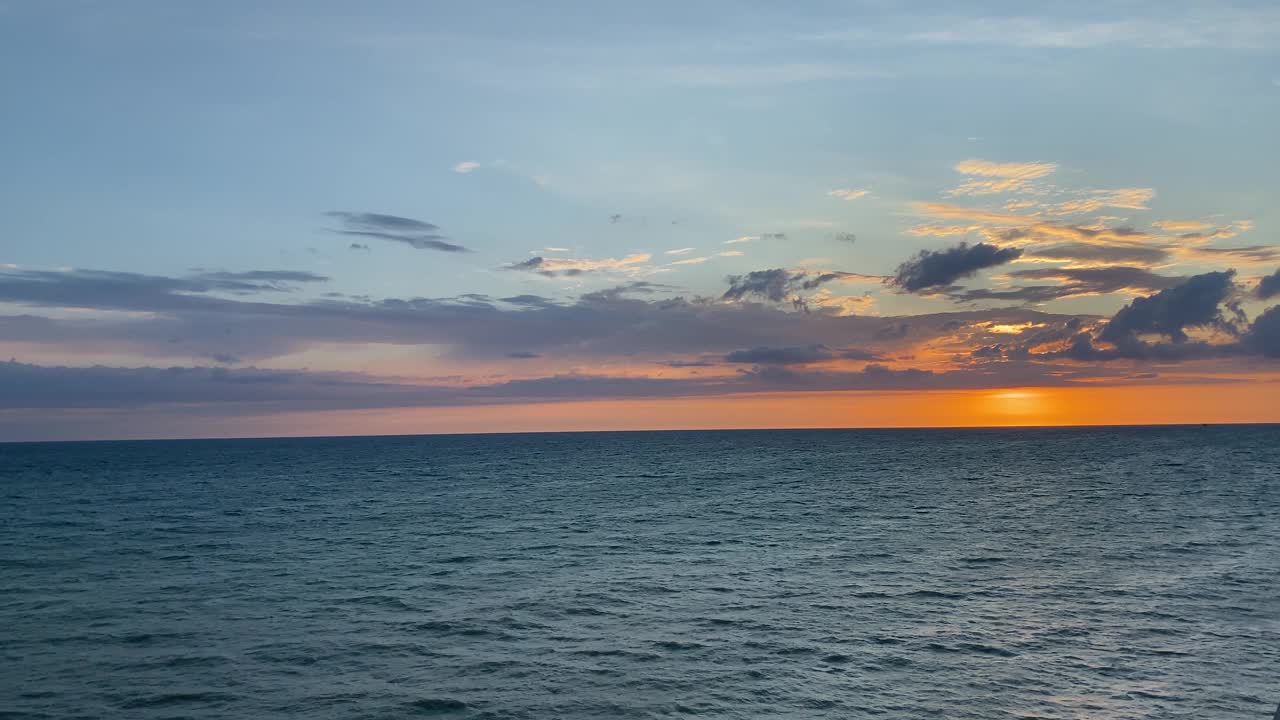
(1000, 573)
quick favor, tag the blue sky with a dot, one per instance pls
(166, 138)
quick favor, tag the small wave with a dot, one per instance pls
(171, 699)
(386, 601)
(938, 594)
(436, 706)
(972, 648)
(677, 645)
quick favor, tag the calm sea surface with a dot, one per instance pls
(1073, 573)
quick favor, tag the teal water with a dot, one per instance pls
(1069, 573)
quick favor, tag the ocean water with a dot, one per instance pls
(1057, 573)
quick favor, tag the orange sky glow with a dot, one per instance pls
(1224, 403)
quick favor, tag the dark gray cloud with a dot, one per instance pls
(383, 223)
(774, 285)
(1269, 286)
(1196, 302)
(523, 355)
(617, 292)
(798, 355)
(170, 319)
(931, 269)
(252, 280)
(1073, 282)
(859, 354)
(1083, 349)
(1250, 253)
(359, 246)
(777, 285)
(801, 355)
(1264, 336)
(1131, 254)
(110, 290)
(846, 237)
(1209, 300)
(529, 301)
(414, 233)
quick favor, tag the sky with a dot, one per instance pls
(320, 218)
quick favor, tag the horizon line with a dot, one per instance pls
(863, 428)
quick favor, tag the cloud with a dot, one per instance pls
(731, 253)
(1264, 336)
(687, 363)
(680, 251)
(751, 238)
(1223, 27)
(523, 355)
(466, 166)
(848, 194)
(691, 261)
(781, 355)
(846, 237)
(959, 212)
(777, 285)
(1073, 282)
(1101, 254)
(940, 268)
(133, 291)
(1126, 198)
(774, 285)
(1001, 177)
(1176, 226)
(569, 267)
(843, 305)
(358, 246)
(1269, 286)
(1194, 303)
(414, 233)
(1250, 255)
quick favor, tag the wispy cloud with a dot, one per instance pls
(1175, 226)
(848, 193)
(570, 267)
(680, 251)
(466, 166)
(1126, 198)
(414, 233)
(1232, 28)
(753, 238)
(999, 177)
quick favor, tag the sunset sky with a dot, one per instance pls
(323, 218)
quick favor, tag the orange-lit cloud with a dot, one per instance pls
(999, 177)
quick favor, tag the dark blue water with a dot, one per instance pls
(830, 574)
